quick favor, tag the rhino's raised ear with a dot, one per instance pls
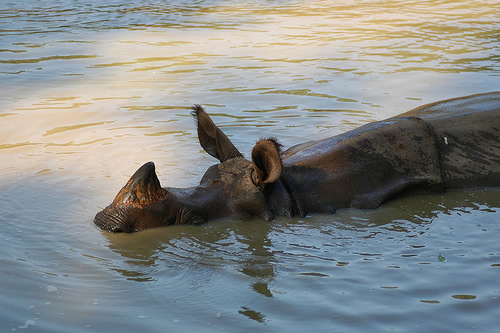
(212, 139)
(266, 161)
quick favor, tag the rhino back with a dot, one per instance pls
(468, 135)
(364, 167)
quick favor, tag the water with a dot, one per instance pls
(90, 91)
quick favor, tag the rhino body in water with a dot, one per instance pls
(449, 144)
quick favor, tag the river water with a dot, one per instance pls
(91, 90)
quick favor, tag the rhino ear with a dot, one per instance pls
(212, 139)
(266, 161)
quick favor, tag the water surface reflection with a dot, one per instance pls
(267, 259)
(91, 90)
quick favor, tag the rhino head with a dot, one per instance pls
(235, 187)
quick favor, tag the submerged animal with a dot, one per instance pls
(449, 144)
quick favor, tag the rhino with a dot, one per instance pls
(450, 144)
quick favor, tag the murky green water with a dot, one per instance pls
(92, 90)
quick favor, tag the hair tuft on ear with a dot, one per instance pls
(274, 140)
(196, 109)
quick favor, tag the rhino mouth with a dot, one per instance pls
(113, 219)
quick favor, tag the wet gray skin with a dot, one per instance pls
(444, 145)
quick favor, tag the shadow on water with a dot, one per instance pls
(407, 213)
(224, 247)
(255, 252)
(216, 244)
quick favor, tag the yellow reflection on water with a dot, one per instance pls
(247, 59)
